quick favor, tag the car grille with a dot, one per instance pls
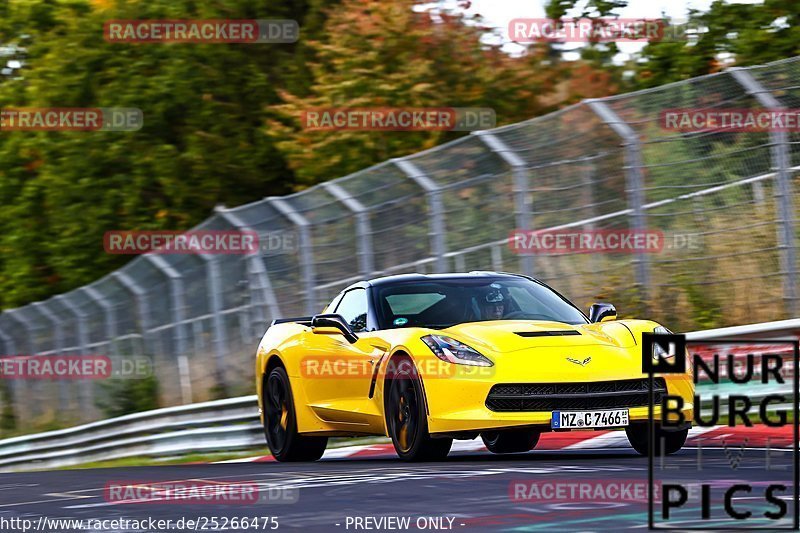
(575, 396)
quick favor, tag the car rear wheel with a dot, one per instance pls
(280, 423)
(510, 441)
(406, 418)
(671, 440)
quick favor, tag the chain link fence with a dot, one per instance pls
(598, 165)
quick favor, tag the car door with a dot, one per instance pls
(338, 375)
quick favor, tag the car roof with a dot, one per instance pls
(401, 278)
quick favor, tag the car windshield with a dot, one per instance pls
(443, 303)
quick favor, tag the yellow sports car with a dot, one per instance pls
(425, 359)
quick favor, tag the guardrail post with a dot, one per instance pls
(521, 190)
(86, 393)
(363, 230)
(262, 291)
(213, 278)
(306, 253)
(437, 224)
(58, 335)
(634, 184)
(140, 297)
(783, 194)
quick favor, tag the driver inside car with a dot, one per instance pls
(494, 307)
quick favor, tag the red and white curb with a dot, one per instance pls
(755, 437)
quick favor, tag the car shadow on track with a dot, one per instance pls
(483, 457)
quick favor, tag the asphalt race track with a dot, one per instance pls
(469, 491)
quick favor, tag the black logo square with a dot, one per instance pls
(670, 358)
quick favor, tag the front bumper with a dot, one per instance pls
(459, 405)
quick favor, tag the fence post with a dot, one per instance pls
(25, 323)
(58, 331)
(21, 319)
(366, 263)
(497, 258)
(176, 296)
(58, 334)
(521, 190)
(634, 184)
(213, 279)
(26, 390)
(10, 349)
(783, 195)
(265, 295)
(9, 346)
(140, 295)
(86, 393)
(306, 254)
(108, 314)
(437, 223)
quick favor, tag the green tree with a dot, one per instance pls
(747, 33)
(396, 54)
(202, 142)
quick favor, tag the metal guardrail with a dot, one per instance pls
(780, 329)
(222, 425)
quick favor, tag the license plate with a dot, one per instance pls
(610, 418)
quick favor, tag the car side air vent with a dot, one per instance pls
(558, 333)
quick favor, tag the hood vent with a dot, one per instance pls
(558, 333)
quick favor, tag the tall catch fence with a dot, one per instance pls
(598, 165)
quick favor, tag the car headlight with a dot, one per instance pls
(452, 351)
(658, 352)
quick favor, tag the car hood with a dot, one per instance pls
(503, 336)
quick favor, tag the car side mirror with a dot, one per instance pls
(333, 320)
(600, 312)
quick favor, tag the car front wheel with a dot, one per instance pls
(406, 418)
